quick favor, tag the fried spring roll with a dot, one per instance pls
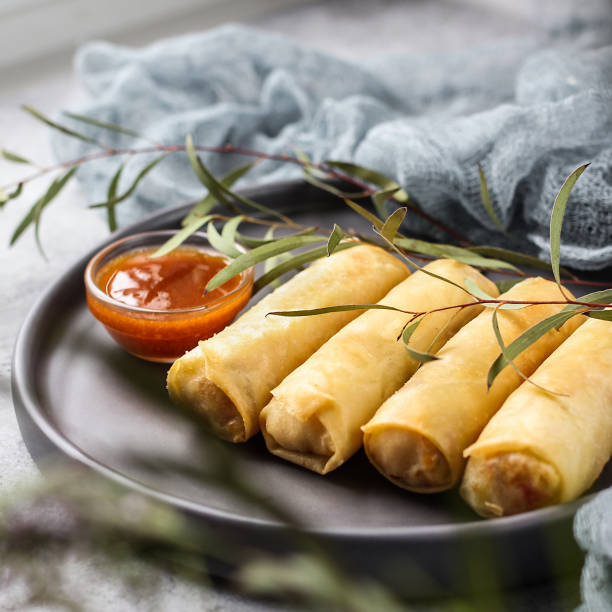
(417, 437)
(227, 379)
(315, 415)
(542, 449)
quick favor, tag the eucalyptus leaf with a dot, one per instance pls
(421, 268)
(506, 285)
(556, 220)
(525, 340)
(328, 309)
(272, 262)
(419, 356)
(181, 236)
(515, 257)
(309, 166)
(366, 214)
(604, 315)
(460, 254)
(334, 239)
(380, 198)
(250, 243)
(219, 243)
(295, 262)
(205, 205)
(104, 124)
(597, 297)
(476, 291)
(506, 356)
(13, 157)
(61, 128)
(5, 197)
(389, 229)
(372, 176)
(485, 196)
(110, 197)
(220, 191)
(132, 188)
(309, 177)
(230, 229)
(205, 176)
(259, 254)
(35, 212)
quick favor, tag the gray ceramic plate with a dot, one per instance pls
(76, 392)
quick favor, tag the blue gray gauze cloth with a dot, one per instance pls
(528, 111)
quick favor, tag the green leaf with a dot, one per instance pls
(250, 243)
(230, 229)
(133, 186)
(181, 236)
(309, 177)
(38, 115)
(205, 176)
(485, 196)
(295, 262)
(515, 257)
(419, 356)
(219, 243)
(604, 315)
(273, 262)
(204, 206)
(103, 124)
(380, 198)
(219, 190)
(476, 291)
(460, 254)
(389, 229)
(597, 297)
(556, 220)
(506, 285)
(327, 309)
(5, 197)
(525, 340)
(334, 239)
(35, 212)
(13, 157)
(110, 197)
(257, 255)
(372, 176)
(421, 268)
(308, 166)
(366, 214)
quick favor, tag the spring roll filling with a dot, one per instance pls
(307, 442)
(509, 483)
(198, 394)
(409, 460)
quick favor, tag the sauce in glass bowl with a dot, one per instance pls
(156, 307)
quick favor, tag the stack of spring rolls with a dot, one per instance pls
(320, 386)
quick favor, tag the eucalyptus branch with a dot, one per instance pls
(226, 149)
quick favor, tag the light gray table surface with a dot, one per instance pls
(349, 28)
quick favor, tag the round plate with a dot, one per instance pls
(77, 392)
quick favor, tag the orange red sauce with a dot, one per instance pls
(164, 286)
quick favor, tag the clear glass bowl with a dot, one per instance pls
(161, 335)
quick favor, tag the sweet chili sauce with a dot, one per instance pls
(156, 308)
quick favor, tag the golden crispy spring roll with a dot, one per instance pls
(227, 379)
(543, 449)
(417, 437)
(315, 415)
